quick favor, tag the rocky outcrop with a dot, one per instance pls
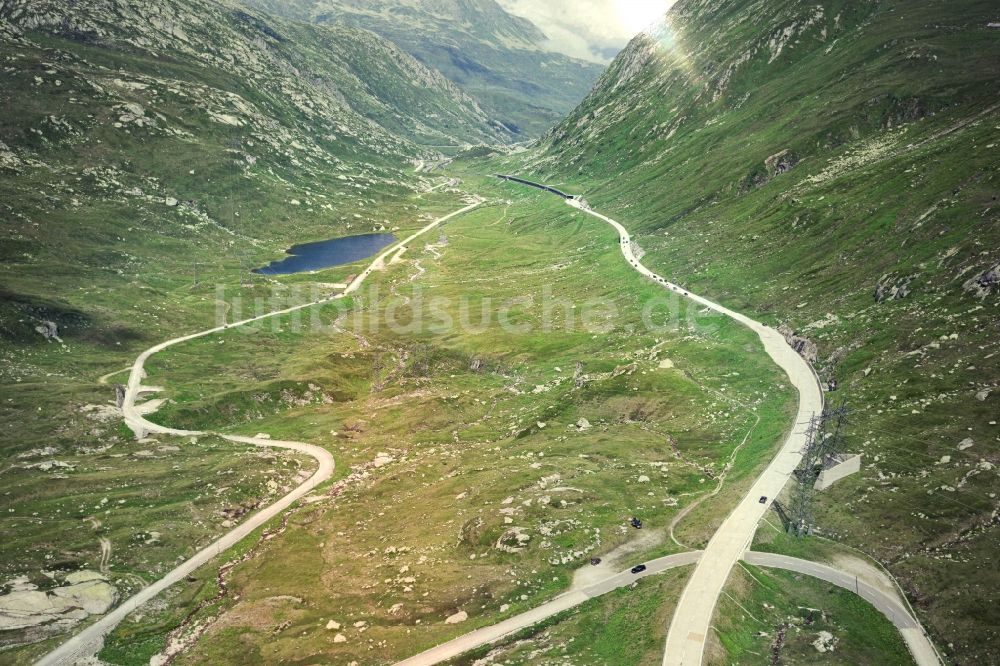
(805, 347)
(780, 163)
(775, 165)
(985, 283)
(29, 615)
(891, 288)
(120, 392)
(48, 330)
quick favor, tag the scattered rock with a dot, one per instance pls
(38, 453)
(340, 638)
(966, 443)
(514, 540)
(891, 288)
(332, 625)
(583, 424)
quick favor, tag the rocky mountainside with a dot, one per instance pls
(494, 56)
(335, 73)
(198, 122)
(148, 153)
(833, 167)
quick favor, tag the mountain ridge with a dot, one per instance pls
(496, 57)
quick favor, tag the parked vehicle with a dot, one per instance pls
(639, 569)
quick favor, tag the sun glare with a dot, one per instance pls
(637, 15)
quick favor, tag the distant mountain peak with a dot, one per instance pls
(501, 60)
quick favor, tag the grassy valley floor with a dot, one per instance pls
(479, 463)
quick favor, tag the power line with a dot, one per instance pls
(825, 440)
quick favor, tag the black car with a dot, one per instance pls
(763, 499)
(639, 569)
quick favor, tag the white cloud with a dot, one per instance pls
(590, 29)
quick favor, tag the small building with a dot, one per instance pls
(838, 467)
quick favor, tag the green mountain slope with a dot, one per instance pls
(196, 122)
(148, 153)
(494, 56)
(833, 167)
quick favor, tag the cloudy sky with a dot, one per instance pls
(590, 29)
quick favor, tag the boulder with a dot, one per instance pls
(825, 642)
(457, 618)
(48, 330)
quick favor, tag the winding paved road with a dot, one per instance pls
(565, 601)
(890, 605)
(89, 641)
(692, 619)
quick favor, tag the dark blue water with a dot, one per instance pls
(324, 254)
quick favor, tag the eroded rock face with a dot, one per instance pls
(805, 347)
(28, 615)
